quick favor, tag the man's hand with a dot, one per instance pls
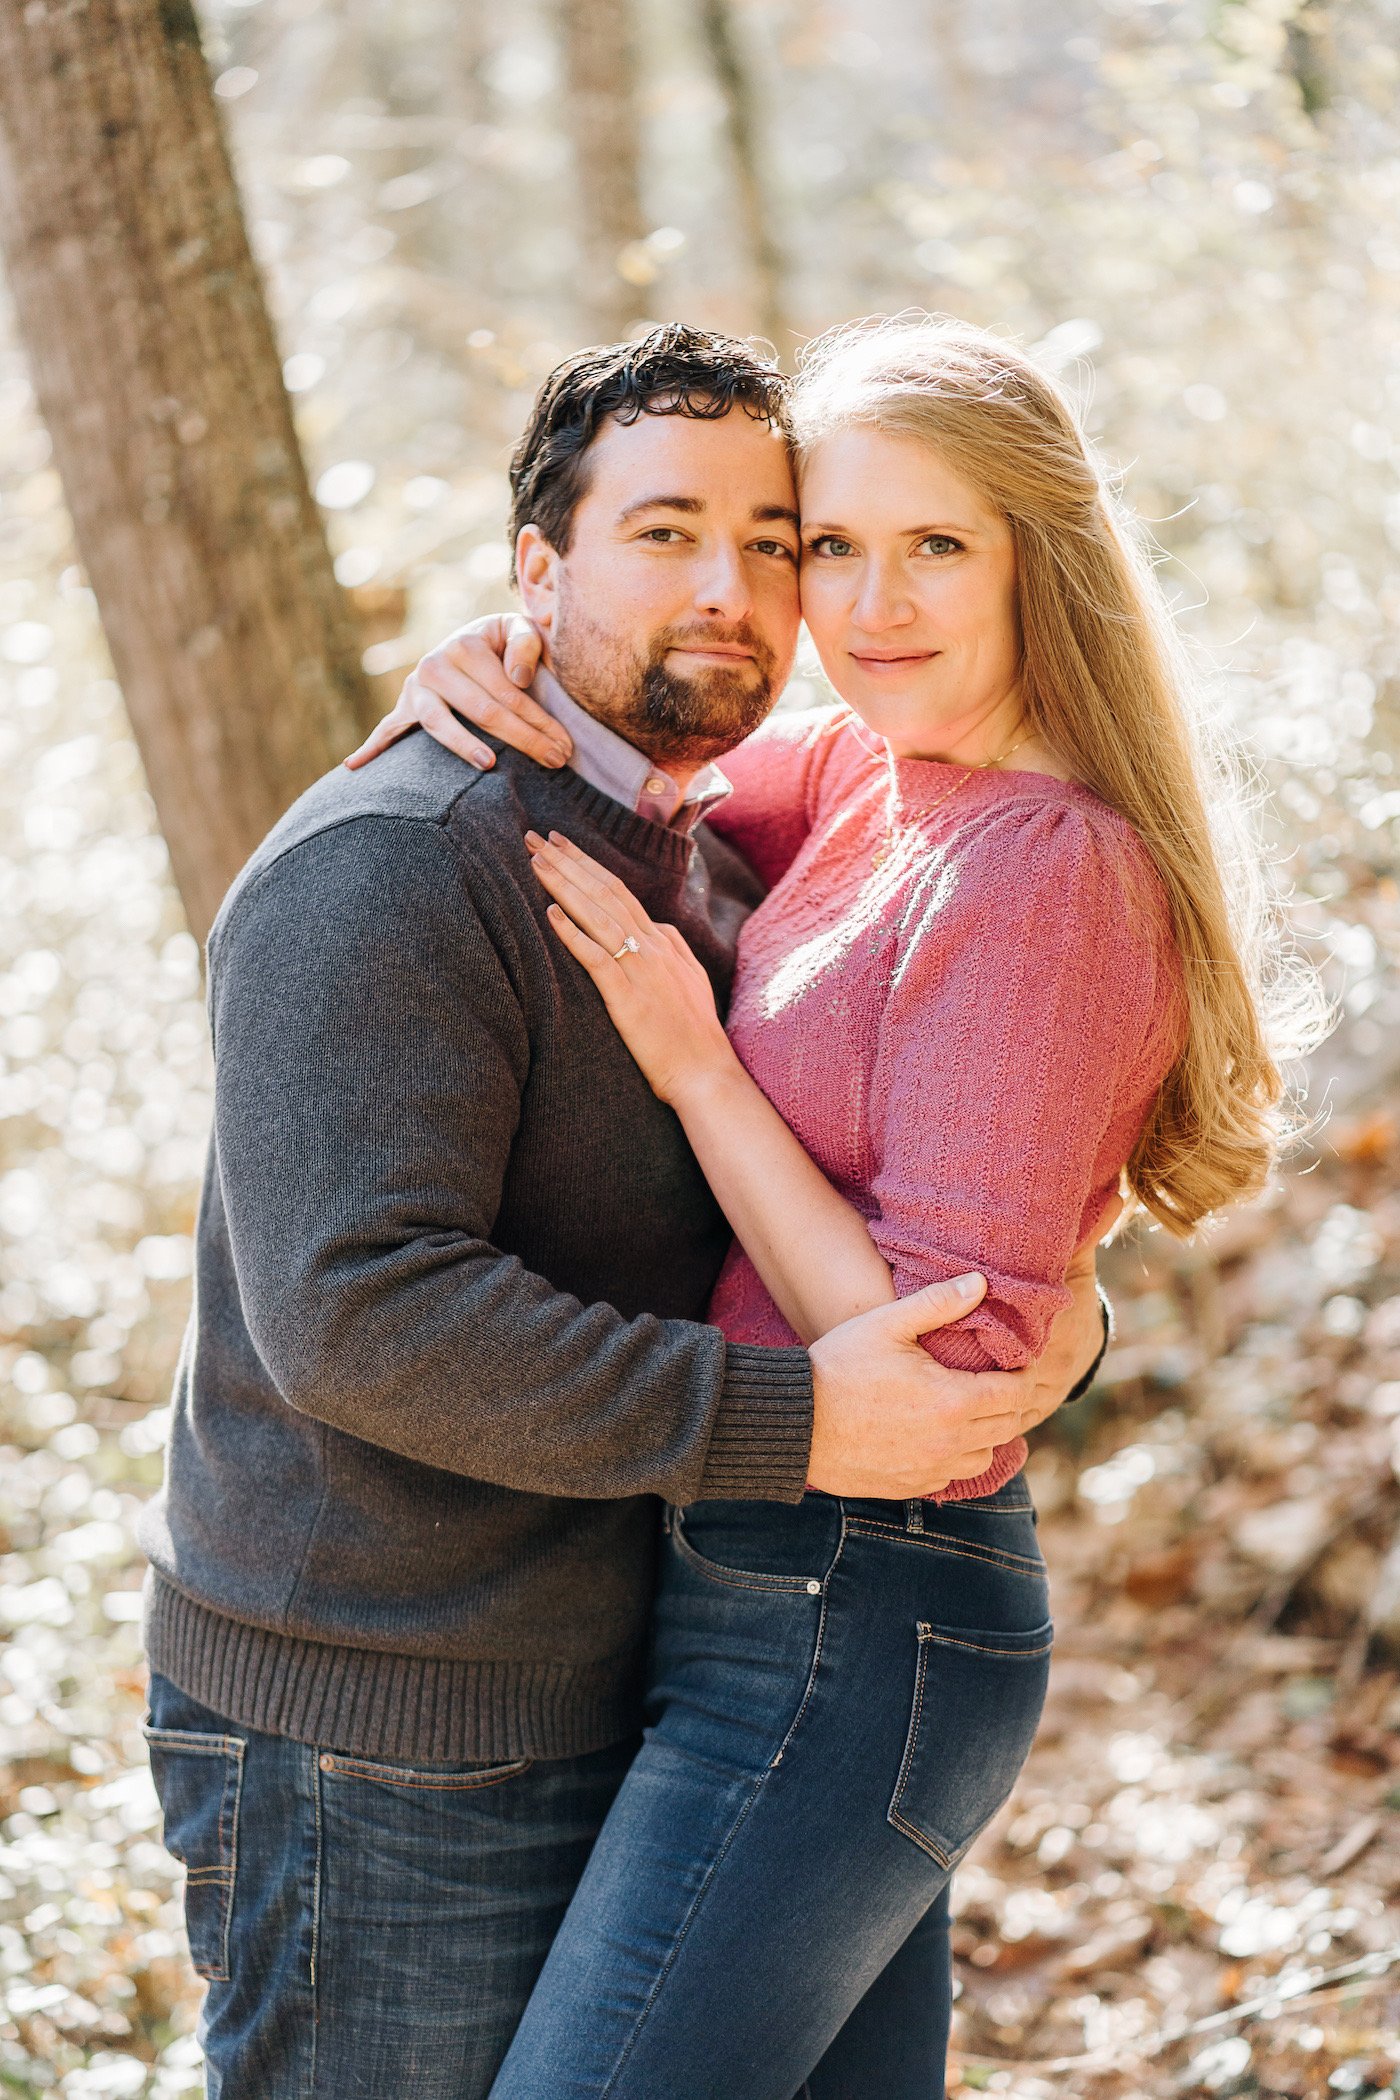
(889, 1421)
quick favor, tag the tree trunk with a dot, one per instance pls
(755, 205)
(1308, 35)
(595, 37)
(158, 375)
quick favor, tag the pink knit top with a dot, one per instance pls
(962, 1004)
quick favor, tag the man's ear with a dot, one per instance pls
(537, 570)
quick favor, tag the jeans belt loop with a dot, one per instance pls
(914, 1515)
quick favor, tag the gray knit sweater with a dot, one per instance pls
(450, 1259)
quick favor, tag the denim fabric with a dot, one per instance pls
(841, 1696)
(366, 1928)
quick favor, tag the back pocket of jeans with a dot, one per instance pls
(199, 1779)
(977, 1703)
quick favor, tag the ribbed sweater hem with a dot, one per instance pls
(422, 1709)
(762, 1438)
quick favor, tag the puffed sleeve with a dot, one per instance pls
(1033, 1013)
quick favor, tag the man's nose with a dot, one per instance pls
(723, 588)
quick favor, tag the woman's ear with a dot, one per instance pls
(537, 571)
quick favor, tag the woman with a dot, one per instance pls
(999, 968)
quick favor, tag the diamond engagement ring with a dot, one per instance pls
(631, 946)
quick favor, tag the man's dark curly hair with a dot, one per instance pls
(672, 371)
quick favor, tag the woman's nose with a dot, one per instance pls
(881, 602)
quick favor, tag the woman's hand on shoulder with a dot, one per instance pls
(655, 989)
(480, 672)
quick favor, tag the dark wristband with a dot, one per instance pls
(1077, 1392)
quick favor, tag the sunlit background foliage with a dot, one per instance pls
(1191, 209)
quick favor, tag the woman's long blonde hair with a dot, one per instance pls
(1107, 686)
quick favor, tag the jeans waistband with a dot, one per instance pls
(1012, 1498)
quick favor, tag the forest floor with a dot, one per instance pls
(1194, 1889)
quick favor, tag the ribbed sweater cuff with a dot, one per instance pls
(762, 1437)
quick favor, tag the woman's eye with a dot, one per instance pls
(831, 546)
(941, 543)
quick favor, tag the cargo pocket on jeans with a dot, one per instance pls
(199, 1779)
(977, 1703)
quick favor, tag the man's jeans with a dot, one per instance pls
(367, 1929)
(841, 1697)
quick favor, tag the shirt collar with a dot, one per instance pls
(615, 767)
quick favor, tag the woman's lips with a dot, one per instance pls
(879, 666)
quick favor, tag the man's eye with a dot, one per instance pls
(778, 547)
(663, 535)
(831, 546)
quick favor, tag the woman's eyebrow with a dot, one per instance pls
(910, 532)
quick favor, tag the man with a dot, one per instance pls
(452, 1260)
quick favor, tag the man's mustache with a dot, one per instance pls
(739, 637)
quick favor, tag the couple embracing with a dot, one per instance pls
(595, 1598)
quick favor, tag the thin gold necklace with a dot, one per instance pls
(887, 843)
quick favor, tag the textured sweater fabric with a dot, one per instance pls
(962, 1003)
(452, 1261)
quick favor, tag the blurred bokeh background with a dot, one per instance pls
(1192, 209)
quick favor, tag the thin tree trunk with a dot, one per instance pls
(1308, 46)
(158, 375)
(755, 205)
(595, 38)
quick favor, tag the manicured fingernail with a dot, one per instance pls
(967, 1286)
(557, 838)
(532, 839)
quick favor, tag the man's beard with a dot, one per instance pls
(672, 718)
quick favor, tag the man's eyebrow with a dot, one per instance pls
(691, 505)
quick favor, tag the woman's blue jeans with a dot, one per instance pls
(841, 1696)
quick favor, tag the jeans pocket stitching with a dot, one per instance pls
(911, 1740)
(926, 1542)
(930, 1637)
(738, 1578)
(444, 1782)
(934, 1637)
(223, 1877)
(991, 1509)
(818, 1647)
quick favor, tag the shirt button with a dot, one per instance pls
(656, 785)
